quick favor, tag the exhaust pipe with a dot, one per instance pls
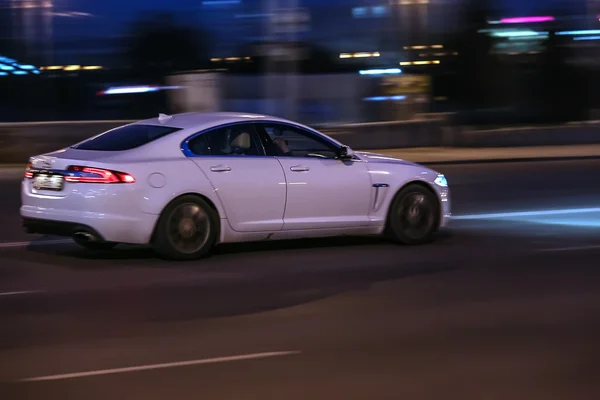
(85, 236)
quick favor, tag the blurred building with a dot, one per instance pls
(50, 31)
(30, 25)
(383, 31)
(377, 31)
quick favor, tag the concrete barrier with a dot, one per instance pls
(561, 135)
(390, 135)
(19, 141)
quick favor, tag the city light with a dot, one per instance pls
(423, 47)
(578, 33)
(391, 71)
(413, 2)
(526, 20)
(131, 90)
(518, 34)
(385, 98)
(587, 38)
(136, 89)
(71, 67)
(360, 55)
(219, 59)
(9, 64)
(404, 63)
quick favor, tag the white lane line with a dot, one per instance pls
(569, 249)
(6, 245)
(19, 292)
(160, 366)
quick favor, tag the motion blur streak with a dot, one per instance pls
(159, 366)
(529, 213)
(567, 217)
(17, 292)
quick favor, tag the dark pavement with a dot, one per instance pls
(505, 307)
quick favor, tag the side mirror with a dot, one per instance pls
(346, 153)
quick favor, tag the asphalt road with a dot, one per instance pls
(503, 306)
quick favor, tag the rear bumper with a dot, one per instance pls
(57, 228)
(109, 212)
(107, 227)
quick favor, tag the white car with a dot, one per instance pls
(186, 182)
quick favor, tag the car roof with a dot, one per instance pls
(199, 119)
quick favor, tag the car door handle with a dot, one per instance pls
(220, 168)
(299, 168)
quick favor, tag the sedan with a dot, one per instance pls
(185, 183)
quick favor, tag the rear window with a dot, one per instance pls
(126, 137)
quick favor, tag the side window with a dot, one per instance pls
(233, 140)
(285, 140)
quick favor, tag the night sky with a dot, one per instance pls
(127, 8)
(113, 16)
(517, 5)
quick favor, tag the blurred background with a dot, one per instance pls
(485, 62)
(505, 306)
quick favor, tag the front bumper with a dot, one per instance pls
(445, 205)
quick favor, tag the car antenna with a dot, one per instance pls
(164, 117)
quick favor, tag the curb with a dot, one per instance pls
(509, 160)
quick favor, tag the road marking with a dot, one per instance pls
(528, 213)
(18, 292)
(6, 245)
(161, 366)
(569, 248)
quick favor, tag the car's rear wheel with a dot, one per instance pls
(93, 245)
(414, 215)
(186, 230)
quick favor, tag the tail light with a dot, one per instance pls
(28, 173)
(97, 175)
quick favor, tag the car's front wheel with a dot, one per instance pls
(186, 230)
(414, 215)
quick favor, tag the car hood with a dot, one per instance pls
(377, 158)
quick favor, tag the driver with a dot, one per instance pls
(282, 146)
(281, 143)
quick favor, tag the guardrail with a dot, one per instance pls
(18, 141)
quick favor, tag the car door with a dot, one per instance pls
(250, 185)
(323, 192)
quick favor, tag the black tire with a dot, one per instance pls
(95, 246)
(186, 230)
(414, 216)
